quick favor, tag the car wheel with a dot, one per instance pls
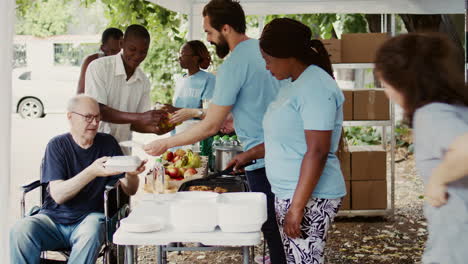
(31, 108)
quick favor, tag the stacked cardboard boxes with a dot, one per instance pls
(365, 170)
(354, 48)
(365, 104)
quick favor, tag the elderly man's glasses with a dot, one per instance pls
(89, 118)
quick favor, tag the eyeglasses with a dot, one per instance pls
(89, 118)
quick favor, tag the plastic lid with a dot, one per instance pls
(225, 137)
(234, 137)
(217, 137)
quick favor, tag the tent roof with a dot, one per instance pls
(265, 7)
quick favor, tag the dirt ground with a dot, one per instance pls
(397, 239)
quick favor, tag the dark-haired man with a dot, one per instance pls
(123, 90)
(245, 88)
(111, 44)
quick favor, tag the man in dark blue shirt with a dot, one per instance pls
(74, 168)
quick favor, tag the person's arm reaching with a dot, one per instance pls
(147, 122)
(130, 182)
(257, 152)
(453, 167)
(318, 147)
(205, 128)
(64, 190)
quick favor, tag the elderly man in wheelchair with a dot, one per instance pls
(71, 216)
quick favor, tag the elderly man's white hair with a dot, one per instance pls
(75, 100)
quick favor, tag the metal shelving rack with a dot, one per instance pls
(382, 123)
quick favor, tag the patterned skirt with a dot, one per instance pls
(318, 216)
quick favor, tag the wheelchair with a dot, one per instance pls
(116, 207)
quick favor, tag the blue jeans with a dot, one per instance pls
(258, 182)
(34, 234)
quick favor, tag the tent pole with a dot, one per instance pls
(6, 55)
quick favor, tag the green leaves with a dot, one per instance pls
(43, 18)
(358, 135)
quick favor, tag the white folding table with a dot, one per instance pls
(215, 240)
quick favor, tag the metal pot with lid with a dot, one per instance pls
(224, 154)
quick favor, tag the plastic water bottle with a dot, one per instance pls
(225, 140)
(159, 181)
(234, 141)
(216, 141)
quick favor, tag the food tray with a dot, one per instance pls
(232, 184)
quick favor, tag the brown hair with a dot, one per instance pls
(286, 38)
(225, 12)
(423, 67)
(199, 49)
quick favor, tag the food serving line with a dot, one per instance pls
(226, 221)
(157, 214)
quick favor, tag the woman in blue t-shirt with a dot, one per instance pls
(194, 87)
(302, 129)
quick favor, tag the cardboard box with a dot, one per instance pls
(346, 204)
(368, 163)
(370, 104)
(333, 47)
(369, 195)
(348, 105)
(361, 47)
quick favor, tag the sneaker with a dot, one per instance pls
(259, 259)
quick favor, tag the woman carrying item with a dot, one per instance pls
(422, 73)
(302, 131)
(195, 87)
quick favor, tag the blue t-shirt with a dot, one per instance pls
(63, 160)
(312, 102)
(244, 82)
(191, 90)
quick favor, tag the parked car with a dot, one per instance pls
(40, 92)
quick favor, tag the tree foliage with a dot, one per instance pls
(167, 35)
(43, 18)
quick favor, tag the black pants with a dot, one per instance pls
(258, 182)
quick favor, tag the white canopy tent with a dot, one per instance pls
(193, 8)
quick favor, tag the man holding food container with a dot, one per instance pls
(75, 169)
(123, 90)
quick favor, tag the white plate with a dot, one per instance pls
(142, 224)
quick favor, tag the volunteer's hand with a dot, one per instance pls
(292, 222)
(139, 170)
(436, 193)
(151, 118)
(98, 168)
(228, 125)
(169, 108)
(183, 114)
(238, 161)
(157, 147)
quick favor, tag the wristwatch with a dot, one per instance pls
(199, 113)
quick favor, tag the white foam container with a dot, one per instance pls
(142, 224)
(123, 163)
(242, 211)
(194, 211)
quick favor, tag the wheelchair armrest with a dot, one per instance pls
(110, 187)
(29, 187)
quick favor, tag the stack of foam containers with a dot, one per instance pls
(232, 212)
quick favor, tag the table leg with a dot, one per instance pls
(246, 254)
(160, 254)
(129, 254)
